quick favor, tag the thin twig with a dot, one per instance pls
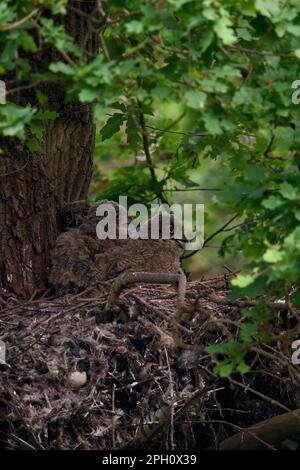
(104, 47)
(146, 147)
(192, 189)
(191, 134)
(247, 388)
(113, 417)
(172, 124)
(172, 400)
(213, 235)
(245, 50)
(26, 444)
(10, 26)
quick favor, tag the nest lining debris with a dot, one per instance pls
(74, 382)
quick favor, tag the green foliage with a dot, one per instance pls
(227, 68)
(112, 126)
(14, 118)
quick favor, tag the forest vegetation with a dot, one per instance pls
(161, 101)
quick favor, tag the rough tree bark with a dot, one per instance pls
(34, 186)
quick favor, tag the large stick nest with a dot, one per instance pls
(139, 389)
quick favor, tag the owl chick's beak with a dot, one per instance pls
(77, 221)
(182, 241)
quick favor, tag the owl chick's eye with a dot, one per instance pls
(70, 221)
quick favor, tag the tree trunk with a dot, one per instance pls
(34, 186)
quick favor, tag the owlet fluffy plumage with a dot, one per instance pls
(80, 260)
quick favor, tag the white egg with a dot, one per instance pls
(77, 379)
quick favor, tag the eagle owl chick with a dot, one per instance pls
(79, 259)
